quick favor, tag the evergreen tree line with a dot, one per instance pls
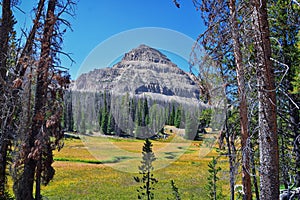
(88, 112)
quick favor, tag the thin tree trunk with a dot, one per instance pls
(26, 52)
(253, 170)
(6, 26)
(38, 180)
(148, 185)
(296, 122)
(246, 179)
(268, 139)
(232, 168)
(231, 156)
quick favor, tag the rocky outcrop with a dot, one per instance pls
(143, 70)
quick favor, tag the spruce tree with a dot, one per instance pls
(177, 120)
(104, 116)
(146, 168)
(190, 127)
(213, 179)
(176, 194)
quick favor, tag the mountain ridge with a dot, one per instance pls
(143, 70)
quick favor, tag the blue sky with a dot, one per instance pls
(99, 21)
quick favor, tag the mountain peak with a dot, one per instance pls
(143, 71)
(147, 54)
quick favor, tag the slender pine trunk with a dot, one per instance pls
(246, 179)
(268, 139)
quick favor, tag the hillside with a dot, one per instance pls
(142, 71)
(140, 93)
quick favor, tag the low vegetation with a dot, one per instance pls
(80, 175)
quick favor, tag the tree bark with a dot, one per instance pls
(232, 157)
(253, 170)
(26, 52)
(25, 190)
(268, 140)
(5, 29)
(243, 109)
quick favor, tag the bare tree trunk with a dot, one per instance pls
(253, 170)
(25, 190)
(27, 50)
(296, 122)
(246, 179)
(38, 180)
(232, 158)
(268, 140)
(24, 187)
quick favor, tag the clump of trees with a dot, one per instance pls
(253, 44)
(32, 88)
(126, 115)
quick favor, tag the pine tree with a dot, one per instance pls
(172, 115)
(146, 119)
(104, 115)
(175, 191)
(146, 168)
(110, 124)
(177, 120)
(213, 178)
(190, 127)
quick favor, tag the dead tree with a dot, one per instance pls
(268, 140)
(44, 112)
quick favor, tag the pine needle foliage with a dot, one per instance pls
(148, 181)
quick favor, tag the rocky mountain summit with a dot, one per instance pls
(142, 71)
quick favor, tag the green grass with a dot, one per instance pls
(94, 168)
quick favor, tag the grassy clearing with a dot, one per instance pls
(83, 172)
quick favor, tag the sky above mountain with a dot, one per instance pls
(118, 22)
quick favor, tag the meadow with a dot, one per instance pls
(104, 167)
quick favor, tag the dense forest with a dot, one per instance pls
(255, 47)
(132, 116)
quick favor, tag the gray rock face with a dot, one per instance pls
(142, 71)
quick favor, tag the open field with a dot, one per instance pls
(83, 172)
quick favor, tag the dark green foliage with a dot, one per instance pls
(104, 121)
(190, 127)
(204, 119)
(6, 196)
(285, 28)
(146, 168)
(68, 121)
(110, 126)
(213, 178)
(172, 116)
(146, 112)
(104, 116)
(176, 195)
(177, 120)
(142, 119)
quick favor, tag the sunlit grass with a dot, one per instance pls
(80, 176)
